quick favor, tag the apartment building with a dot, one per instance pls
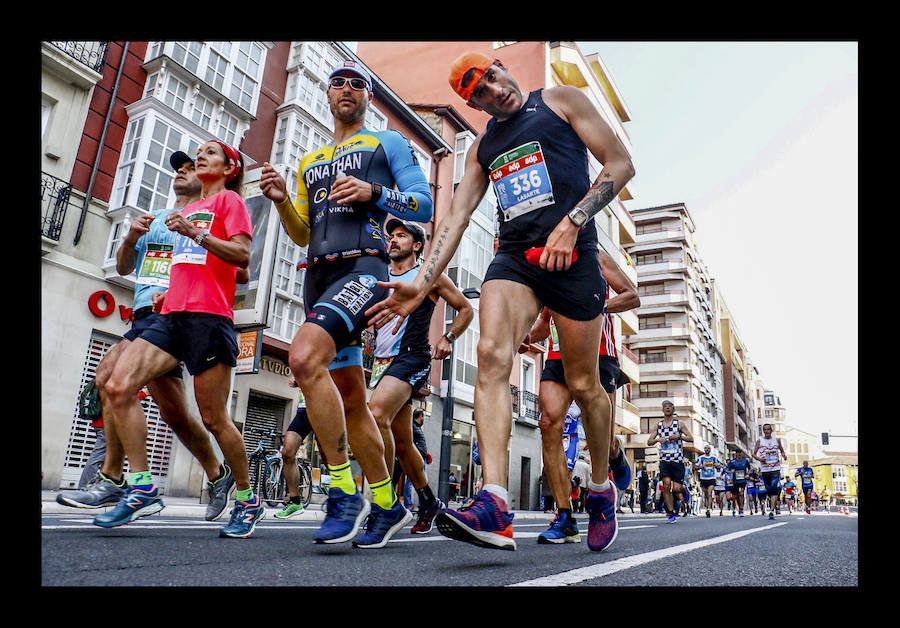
(418, 71)
(112, 113)
(736, 382)
(799, 446)
(677, 344)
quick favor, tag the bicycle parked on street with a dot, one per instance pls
(257, 461)
(275, 490)
(267, 472)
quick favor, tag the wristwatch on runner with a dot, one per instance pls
(578, 216)
(200, 237)
(450, 336)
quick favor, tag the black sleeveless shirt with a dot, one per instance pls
(539, 169)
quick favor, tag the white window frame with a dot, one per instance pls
(286, 301)
(375, 119)
(239, 80)
(526, 374)
(424, 158)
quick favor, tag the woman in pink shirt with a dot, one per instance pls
(196, 327)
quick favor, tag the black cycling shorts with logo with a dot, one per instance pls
(198, 339)
(578, 293)
(338, 294)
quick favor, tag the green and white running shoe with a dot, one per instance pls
(290, 510)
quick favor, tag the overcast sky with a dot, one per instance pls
(760, 141)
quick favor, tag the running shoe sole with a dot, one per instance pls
(150, 509)
(543, 540)
(69, 502)
(407, 517)
(278, 516)
(363, 513)
(455, 529)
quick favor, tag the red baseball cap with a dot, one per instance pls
(465, 62)
(234, 157)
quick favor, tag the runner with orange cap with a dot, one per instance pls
(535, 153)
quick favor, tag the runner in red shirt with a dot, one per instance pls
(196, 327)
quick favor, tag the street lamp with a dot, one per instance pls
(447, 418)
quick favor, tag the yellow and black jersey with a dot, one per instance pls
(335, 231)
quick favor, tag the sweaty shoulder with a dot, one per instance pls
(563, 98)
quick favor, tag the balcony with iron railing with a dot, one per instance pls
(54, 203)
(530, 405)
(514, 394)
(91, 54)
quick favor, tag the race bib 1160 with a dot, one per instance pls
(154, 270)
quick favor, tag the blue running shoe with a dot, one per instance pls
(244, 517)
(563, 529)
(621, 470)
(484, 522)
(602, 526)
(382, 525)
(134, 504)
(343, 515)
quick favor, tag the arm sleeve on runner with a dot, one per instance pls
(412, 199)
(295, 217)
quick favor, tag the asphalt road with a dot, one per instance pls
(818, 550)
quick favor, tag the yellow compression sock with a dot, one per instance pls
(383, 493)
(342, 478)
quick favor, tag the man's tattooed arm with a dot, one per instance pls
(598, 196)
(430, 270)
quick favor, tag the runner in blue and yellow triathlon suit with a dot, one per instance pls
(806, 483)
(345, 190)
(739, 467)
(707, 465)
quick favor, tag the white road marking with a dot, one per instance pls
(604, 569)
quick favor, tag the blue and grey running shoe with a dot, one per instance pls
(134, 504)
(218, 494)
(343, 515)
(563, 529)
(244, 517)
(100, 492)
(382, 525)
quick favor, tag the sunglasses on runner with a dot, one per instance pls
(356, 83)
